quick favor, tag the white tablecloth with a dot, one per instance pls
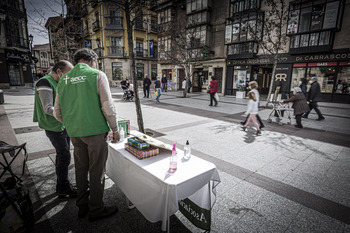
(149, 186)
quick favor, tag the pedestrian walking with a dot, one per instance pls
(164, 83)
(213, 89)
(253, 85)
(146, 86)
(313, 98)
(45, 92)
(189, 86)
(300, 105)
(157, 88)
(84, 103)
(184, 86)
(252, 110)
(303, 86)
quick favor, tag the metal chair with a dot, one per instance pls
(13, 151)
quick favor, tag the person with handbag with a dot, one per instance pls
(213, 90)
(252, 111)
(157, 88)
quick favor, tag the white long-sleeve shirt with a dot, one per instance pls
(252, 107)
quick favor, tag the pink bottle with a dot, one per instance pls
(173, 159)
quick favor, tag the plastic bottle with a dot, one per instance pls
(173, 159)
(122, 134)
(187, 150)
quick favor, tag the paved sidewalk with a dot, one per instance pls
(287, 180)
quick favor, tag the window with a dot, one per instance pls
(154, 71)
(245, 5)
(240, 76)
(115, 18)
(343, 81)
(139, 48)
(139, 71)
(298, 74)
(197, 37)
(326, 77)
(197, 5)
(117, 70)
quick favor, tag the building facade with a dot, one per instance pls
(203, 23)
(15, 56)
(317, 45)
(45, 61)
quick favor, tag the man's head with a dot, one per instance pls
(314, 79)
(60, 68)
(86, 56)
(253, 85)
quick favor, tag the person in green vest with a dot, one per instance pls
(45, 91)
(84, 103)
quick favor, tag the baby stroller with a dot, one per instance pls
(128, 95)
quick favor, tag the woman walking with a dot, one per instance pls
(300, 105)
(252, 111)
(213, 89)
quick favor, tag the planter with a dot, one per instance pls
(240, 94)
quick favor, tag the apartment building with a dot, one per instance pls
(43, 54)
(317, 45)
(15, 56)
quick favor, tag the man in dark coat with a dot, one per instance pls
(299, 105)
(314, 97)
(146, 86)
(164, 82)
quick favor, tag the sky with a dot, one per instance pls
(38, 11)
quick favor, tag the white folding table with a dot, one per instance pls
(151, 188)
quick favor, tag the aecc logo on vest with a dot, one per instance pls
(75, 80)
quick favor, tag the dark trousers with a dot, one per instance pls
(164, 87)
(257, 117)
(146, 92)
(313, 105)
(298, 119)
(188, 90)
(61, 142)
(213, 98)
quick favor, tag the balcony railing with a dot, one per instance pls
(16, 41)
(85, 32)
(114, 22)
(96, 26)
(115, 51)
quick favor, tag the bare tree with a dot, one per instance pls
(134, 11)
(274, 38)
(185, 48)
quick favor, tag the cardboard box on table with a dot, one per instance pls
(142, 154)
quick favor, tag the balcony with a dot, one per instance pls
(96, 26)
(16, 41)
(114, 22)
(116, 51)
(85, 32)
(99, 52)
(154, 28)
(242, 50)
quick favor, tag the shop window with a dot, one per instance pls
(298, 74)
(140, 71)
(343, 81)
(117, 70)
(326, 77)
(241, 76)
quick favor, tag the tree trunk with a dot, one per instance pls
(133, 67)
(275, 57)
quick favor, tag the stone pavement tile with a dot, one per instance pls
(253, 221)
(347, 228)
(36, 141)
(21, 118)
(303, 180)
(245, 194)
(316, 164)
(309, 220)
(277, 209)
(279, 168)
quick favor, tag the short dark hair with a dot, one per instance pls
(62, 65)
(213, 78)
(85, 54)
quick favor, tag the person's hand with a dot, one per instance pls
(310, 100)
(281, 101)
(116, 137)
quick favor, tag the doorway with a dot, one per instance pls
(263, 76)
(14, 74)
(181, 77)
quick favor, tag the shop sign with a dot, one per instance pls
(346, 63)
(323, 64)
(333, 56)
(283, 78)
(18, 56)
(299, 65)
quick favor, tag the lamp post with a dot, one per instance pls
(31, 55)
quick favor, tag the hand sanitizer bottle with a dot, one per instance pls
(173, 159)
(187, 150)
(122, 134)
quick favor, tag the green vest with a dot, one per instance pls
(45, 121)
(80, 102)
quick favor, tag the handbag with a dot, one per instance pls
(156, 93)
(216, 96)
